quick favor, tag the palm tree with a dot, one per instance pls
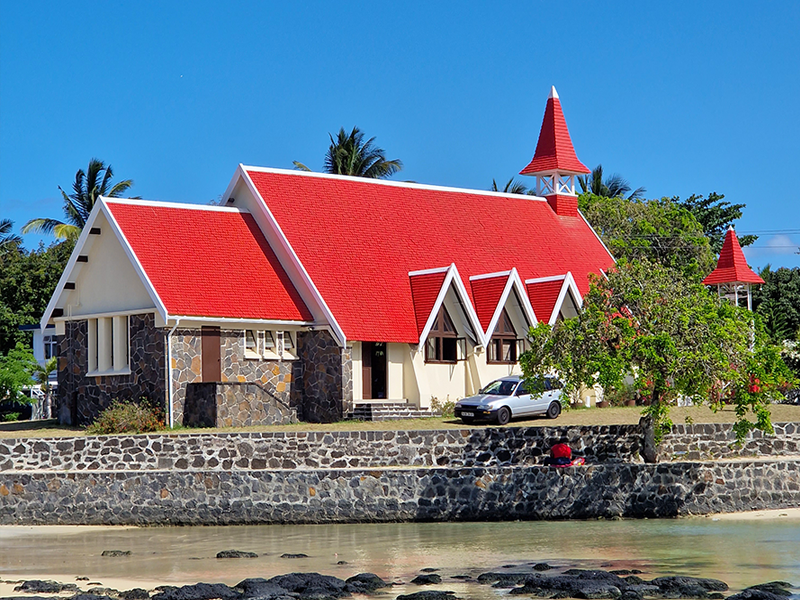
(512, 187)
(613, 186)
(88, 187)
(41, 374)
(6, 237)
(349, 154)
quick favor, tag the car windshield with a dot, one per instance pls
(501, 387)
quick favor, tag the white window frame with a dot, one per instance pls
(277, 352)
(108, 346)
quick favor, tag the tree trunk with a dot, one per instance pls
(649, 450)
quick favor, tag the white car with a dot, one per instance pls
(507, 398)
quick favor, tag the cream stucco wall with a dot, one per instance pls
(111, 284)
(395, 358)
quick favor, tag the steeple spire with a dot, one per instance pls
(555, 163)
(732, 276)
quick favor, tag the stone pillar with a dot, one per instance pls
(327, 377)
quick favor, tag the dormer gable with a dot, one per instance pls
(554, 298)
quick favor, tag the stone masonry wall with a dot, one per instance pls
(319, 449)
(327, 377)
(369, 495)
(186, 367)
(80, 399)
(234, 404)
(717, 440)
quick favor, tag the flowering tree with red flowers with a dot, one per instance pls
(673, 337)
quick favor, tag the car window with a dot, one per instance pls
(522, 390)
(552, 384)
(501, 387)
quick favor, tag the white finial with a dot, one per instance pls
(730, 227)
(553, 93)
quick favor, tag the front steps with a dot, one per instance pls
(388, 410)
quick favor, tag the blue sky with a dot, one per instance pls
(679, 97)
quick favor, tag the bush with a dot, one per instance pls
(445, 407)
(126, 416)
(11, 416)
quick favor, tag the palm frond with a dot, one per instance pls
(300, 166)
(40, 226)
(7, 238)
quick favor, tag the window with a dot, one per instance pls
(269, 345)
(442, 343)
(50, 346)
(108, 346)
(503, 345)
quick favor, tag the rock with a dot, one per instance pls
(779, 588)
(634, 580)
(39, 586)
(81, 579)
(298, 555)
(342, 562)
(88, 596)
(688, 587)
(365, 583)
(261, 589)
(429, 570)
(102, 591)
(198, 591)
(312, 586)
(116, 553)
(541, 567)
(621, 572)
(756, 594)
(716, 596)
(507, 579)
(236, 554)
(461, 577)
(134, 594)
(426, 579)
(429, 595)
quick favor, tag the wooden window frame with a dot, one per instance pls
(436, 337)
(503, 334)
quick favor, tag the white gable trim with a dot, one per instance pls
(544, 279)
(569, 286)
(514, 281)
(454, 279)
(428, 271)
(101, 206)
(490, 275)
(296, 265)
(383, 182)
(181, 205)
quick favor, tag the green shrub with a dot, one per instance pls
(11, 416)
(126, 416)
(445, 407)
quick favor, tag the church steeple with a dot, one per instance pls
(732, 276)
(555, 164)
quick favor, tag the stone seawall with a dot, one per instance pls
(431, 494)
(315, 450)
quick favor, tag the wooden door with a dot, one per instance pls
(366, 370)
(212, 368)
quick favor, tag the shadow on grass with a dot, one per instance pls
(42, 425)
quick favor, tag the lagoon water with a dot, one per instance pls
(741, 552)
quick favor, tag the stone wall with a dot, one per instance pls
(707, 441)
(312, 450)
(369, 495)
(81, 399)
(234, 404)
(327, 377)
(186, 366)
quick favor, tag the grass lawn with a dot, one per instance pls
(593, 416)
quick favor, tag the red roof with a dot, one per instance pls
(359, 239)
(486, 293)
(210, 263)
(425, 288)
(543, 296)
(732, 266)
(554, 152)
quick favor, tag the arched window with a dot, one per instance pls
(503, 345)
(442, 343)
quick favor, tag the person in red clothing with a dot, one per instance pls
(561, 456)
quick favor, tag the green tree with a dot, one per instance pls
(778, 302)
(88, 187)
(16, 374)
(715, 216)
(512, 187)
(660, 231)
(27, 282)
(610, 187)
(7, 237)
(349, 154)
(673, 337)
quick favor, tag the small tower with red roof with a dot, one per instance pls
(555, 164)
(732, 276)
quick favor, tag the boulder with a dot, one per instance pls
(261, 589)
(427, 579)
(312, 586)
(429, 595)
(779, 588)
(756, 594)
(198, 591)
(41, 586)
(236, 554)
(364, 583)
(116, 553)
(298, 555)
(134, 594)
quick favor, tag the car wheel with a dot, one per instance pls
(503, 416)
(553, 410)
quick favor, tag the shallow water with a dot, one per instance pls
(740, 552)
